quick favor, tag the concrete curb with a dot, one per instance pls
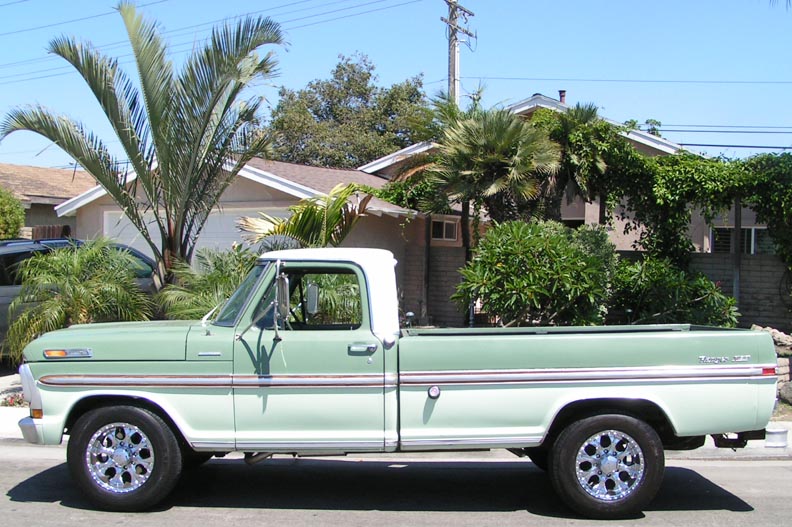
(9, 417)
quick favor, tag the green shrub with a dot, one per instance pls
(214, 278)
(12, 215)
(653, 291)
(536, 274)
(73, 285)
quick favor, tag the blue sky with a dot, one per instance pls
(693, 65)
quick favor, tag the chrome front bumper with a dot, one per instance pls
(31, 431)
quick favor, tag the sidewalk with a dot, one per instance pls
(756, 450)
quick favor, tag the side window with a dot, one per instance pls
(6, 276)
(9, 274)
(324, 299)
(141, 268)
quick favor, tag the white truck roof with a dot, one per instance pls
(378, 266)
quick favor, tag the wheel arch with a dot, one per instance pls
(643, 409)
(93, 402)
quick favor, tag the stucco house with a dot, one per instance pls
(272, 187)
(705, 238)
(759, 280)
(40, 190)
(428, 248)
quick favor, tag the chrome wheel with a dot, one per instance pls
(609, 465)
(119, 457)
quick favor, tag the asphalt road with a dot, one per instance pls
(36, 490)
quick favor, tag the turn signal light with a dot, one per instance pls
(71, 353)
(36, 413)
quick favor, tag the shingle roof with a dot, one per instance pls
(318, 178)
(44, 185)
(299, 180)
(324, 179)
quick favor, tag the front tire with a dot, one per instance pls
(607, 466)
(124, 458)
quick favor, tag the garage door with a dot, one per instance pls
(220, 231)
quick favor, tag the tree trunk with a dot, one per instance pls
(465, 225)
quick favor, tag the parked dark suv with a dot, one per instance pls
(13, 251)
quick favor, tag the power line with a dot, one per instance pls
(175, 31)
(12, 3)
(67, 70)
(355, 14)
(664, 130)
(731, 126)
(634, 81)
(55, 24)
(756, 147)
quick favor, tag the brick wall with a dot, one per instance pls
(412, 294)
(764, 293)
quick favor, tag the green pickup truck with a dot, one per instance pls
(307, 358)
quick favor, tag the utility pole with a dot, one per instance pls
(455, 12)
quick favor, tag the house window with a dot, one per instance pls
(753, 240)
(573, 224)
(444, 230)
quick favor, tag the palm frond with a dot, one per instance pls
(186, 134)
(314, 222)
(73, 285)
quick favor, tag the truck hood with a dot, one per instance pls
(117, 341)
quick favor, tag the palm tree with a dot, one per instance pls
(73, 285)
(214, 277)
(185, 134)
(581, 161)
(314, 222)
(485, 159)
(493, 158)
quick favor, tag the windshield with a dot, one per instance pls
(230, 311)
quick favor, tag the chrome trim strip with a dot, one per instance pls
(210, 354)
(224, 381)
(150, 381)
(474, 441)
(314, 381)
(653, 373)
(303, 446)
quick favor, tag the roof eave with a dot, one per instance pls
(69, 207)
(391, 159)
(537, 101)
(279, 183)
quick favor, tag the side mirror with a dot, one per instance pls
(282, 296)
(312, 298)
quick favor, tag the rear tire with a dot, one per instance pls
(124, 458)
(607, 466)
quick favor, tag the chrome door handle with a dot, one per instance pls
(361, 348)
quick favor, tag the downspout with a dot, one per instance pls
(427, 261)
(737, 255)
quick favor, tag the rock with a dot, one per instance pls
(782, 341)
(785, 393)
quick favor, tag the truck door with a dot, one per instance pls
(316, 382)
